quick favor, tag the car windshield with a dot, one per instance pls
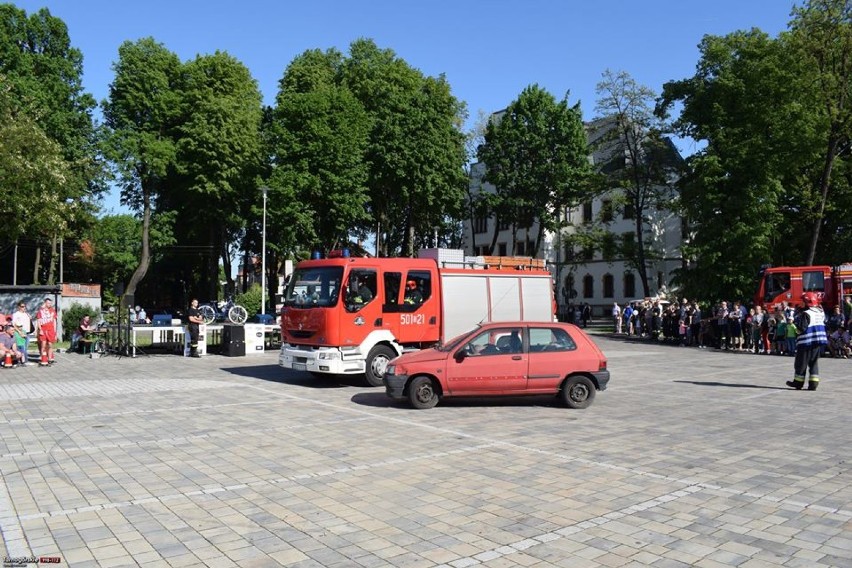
(454, 342)
(314, 287)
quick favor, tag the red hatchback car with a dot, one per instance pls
(503, 359)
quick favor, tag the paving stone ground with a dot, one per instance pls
(690, 458)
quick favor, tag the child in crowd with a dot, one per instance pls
(780, 336)
(791, 334)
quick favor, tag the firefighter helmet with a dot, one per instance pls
(810, 299)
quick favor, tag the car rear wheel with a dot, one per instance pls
(377, 364)
(421, 393)
(578, 392)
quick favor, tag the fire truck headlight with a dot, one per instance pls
(329, 355)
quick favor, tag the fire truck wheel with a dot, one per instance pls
(578, 392)
(421, 393)
(377, 364)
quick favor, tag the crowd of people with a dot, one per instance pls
(14, 336)
(732, 326)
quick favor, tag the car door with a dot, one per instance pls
(492, 362)
(553, 354)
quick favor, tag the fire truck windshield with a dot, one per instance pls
(314, 287)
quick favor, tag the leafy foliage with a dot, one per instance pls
(640, 162)
(73, 314)
(536, 155)
(250, 300)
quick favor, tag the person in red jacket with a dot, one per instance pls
(46, 331)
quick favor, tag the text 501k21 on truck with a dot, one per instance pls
(352, 316)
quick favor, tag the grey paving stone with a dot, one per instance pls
(179, 462)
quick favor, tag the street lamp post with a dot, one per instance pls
(263, 257)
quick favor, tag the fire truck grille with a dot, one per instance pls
(301, 334)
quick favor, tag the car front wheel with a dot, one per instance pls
(578, 392)
(421, 393)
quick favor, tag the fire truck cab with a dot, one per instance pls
(353, 315)
(780, 284)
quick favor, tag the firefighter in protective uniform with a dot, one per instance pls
(810, 343)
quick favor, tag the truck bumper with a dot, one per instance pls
(601, 378)
(395, 386)
(321, 360)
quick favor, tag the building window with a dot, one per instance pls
(629, 285)
(609, 247)
(660, 280)
(504, 225)
(501, 249)
(588, 286)
(608, 286)
(629, 211)
(480, 225)
(606, 211)
(521, 247)
(587, 212)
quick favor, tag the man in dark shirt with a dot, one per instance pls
(195, 320)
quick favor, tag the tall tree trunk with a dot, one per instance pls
(145, 260)
(538, 239)
(824, 183)
(226, 262)
(51, 271)
(409, 237)
(245, 265)
(212, 267)
(37, 265)
(640, 253)
(495, 235)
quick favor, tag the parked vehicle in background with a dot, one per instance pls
(503, 359)
(353, 315)
(779, 284)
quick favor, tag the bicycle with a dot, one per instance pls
(223, 310)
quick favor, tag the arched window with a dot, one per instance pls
(629, 285)
(588, 286)
(608, 286)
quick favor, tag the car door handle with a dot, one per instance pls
(516, 357)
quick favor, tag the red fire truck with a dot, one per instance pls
(331, 325)
(787, 284)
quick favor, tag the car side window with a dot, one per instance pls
(550, 339)
(495, 342)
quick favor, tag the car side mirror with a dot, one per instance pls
(461, 354)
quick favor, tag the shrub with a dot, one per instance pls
(250, 300)
(72, 315)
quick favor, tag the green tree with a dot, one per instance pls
(640, 164)
(32, 167)
(536, 156)
(320, 135)
(416, 149)
(141, 113)
(217, 157)
(821, 34)
(42, 73)
(745, 104)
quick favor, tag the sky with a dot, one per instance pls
(489, 51)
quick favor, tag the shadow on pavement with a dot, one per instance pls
(735, 385)
(275, 374)
(379, 399)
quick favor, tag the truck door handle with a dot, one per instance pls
(432, 320)
(516, 357)
(378, 322)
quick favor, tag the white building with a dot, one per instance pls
(597, 277)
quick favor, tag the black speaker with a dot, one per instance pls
(233, 340)
(128, 301)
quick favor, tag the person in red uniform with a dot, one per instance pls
(46, 331)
